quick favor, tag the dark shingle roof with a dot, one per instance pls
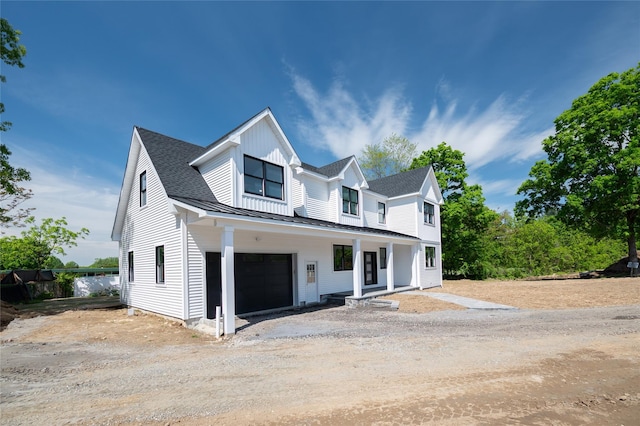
(217, 207)
(330, 170)
(170, 158)
(403, 183)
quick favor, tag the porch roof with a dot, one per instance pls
(217, 207)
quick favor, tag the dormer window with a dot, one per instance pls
(349, 201)
(262, 178)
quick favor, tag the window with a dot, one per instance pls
(262, 178)
(382, 213)
(383, 258)
(430, 257)
(429, 216)
(130, 262)
(143, 188)
(342, 258)
(349, 201)
(160, 264)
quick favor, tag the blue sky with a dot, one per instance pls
(486, 77)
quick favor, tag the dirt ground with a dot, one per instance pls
(569, 355)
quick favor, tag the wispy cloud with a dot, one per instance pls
(342, 125)
(86, 200)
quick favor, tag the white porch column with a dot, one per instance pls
(228, 281)
(390, 282)
(415, 265)
(357, 269)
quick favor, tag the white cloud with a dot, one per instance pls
(340, 125)
(343, 126)
(86, 200)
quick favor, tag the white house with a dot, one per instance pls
(244, 224)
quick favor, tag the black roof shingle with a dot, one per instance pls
(403, 183)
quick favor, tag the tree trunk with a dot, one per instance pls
(633, 251)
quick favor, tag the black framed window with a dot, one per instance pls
(143, 188)
(429, 215)
(383, 258)
(262, 178)
(342, 258)
(160, 264)
(130, 264)
(382, 213)
(430, 257)
(349, 201)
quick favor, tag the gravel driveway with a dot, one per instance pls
(328, 366)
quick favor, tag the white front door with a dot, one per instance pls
(312, 282)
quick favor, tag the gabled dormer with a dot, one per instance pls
(252, 166)
(333, 192)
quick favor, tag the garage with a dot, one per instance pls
(262, 282)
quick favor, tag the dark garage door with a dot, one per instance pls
(263, 281)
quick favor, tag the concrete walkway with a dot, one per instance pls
(467, 302)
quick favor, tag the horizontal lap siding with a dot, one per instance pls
(196, 277)
(402, 216)
(217, 174)
(144, 229)
(318, 203)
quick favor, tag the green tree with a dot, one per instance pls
(106, 262)
(591, 178)
(464, 217)
(391, 156)
(38, 244)
(53, 263)
(71, 265)
(11, 192)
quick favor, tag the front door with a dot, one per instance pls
(370, 268)
(312, 282)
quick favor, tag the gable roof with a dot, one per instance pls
(170, 158)
(330, 170)
(403, 183)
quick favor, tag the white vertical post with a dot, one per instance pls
(390, 282)
(415, 265)
(228, 282)
(357, 269)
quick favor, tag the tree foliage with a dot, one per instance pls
(591, 178)
(12, 193)
(106, 262)
(464, 217)
(38, 244)
(391, 156)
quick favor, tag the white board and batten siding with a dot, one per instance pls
(261, 142)
(144, 229)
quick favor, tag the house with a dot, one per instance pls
(245, 224)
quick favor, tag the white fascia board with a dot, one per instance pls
(434, 182)
(353, 161)
(273, 226)
(295, 160)
(200, 212)
(302, 171)
(127, 184)
(219, 148)
(398, 197)
(376, 194)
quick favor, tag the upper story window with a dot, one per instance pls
(262, 178)
(349, 201)
(382, 213)
(429, 215)
(143, 188)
